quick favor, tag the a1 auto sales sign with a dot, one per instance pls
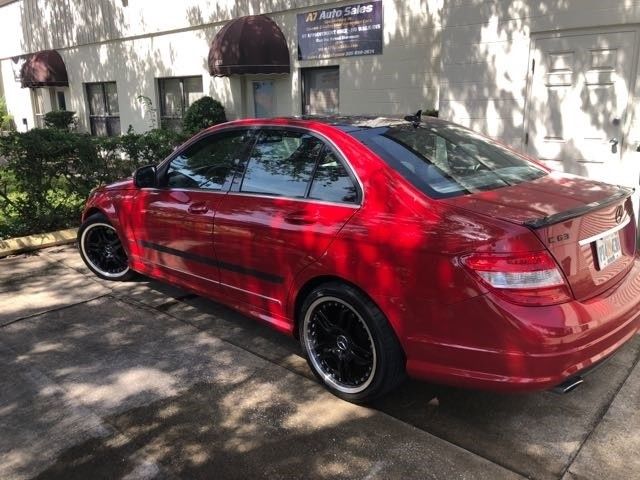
(341, 31)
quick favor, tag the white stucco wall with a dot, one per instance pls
(485, 55)
(135, 44)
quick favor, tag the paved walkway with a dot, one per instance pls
(140, 380)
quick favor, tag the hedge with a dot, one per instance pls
(47, 174)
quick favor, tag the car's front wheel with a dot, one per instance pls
(101, 249)
(349, 344)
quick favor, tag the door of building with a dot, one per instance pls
(578, 104)
(264, 98)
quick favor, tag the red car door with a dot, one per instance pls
(175, 228)
(283, 210)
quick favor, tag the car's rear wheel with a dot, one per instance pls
(101, 249)
(349, 344)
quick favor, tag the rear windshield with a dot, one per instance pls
(446, 160)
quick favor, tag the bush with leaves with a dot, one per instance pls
(43, 193)
(203, 113)
(150, 147)
(60, 119)
(49, 172)
(6, 120)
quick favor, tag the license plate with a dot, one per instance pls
(608, 249)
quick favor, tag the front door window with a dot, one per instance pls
(207, 164)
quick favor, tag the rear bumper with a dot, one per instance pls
(516, 348)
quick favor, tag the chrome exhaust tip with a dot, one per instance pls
(568, 385)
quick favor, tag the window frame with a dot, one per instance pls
(108, 114)
(161, 90)
(327, 144)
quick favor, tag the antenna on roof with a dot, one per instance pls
(414, 119)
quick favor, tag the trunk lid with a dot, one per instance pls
(571, 216)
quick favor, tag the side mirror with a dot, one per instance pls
(145, 177)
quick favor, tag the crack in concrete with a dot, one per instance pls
(55, 309)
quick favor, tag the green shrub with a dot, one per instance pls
(49, 173)
(202, 114)
(6, 120)
(60, 119)
(150, 147)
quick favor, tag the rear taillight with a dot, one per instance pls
(531, 278)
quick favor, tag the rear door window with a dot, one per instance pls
(331, 181)
(281, 163)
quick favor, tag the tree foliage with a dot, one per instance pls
(6, 120)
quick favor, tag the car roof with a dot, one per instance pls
(347, 123)
(354, 123)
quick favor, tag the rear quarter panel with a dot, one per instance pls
(402, 250)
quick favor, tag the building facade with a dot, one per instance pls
(555, 79)
(140, 63)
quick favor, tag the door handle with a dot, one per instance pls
(198, 207)
(302, 218)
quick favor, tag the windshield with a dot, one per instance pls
(446, 160)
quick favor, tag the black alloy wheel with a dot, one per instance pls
(102, 250)
(349, 344)
(340, 344)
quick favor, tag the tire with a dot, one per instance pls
(101, 249)
(349, 344)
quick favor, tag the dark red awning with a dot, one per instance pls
(252, 44)
(43, 69)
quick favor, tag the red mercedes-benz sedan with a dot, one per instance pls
(388, 247)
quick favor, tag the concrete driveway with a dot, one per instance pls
(141, 380)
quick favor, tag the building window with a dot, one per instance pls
(104, 113)
(61, 101)
(321, 91)
(45, 100)
(176, 95)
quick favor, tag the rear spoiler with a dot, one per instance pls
(621, 194)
